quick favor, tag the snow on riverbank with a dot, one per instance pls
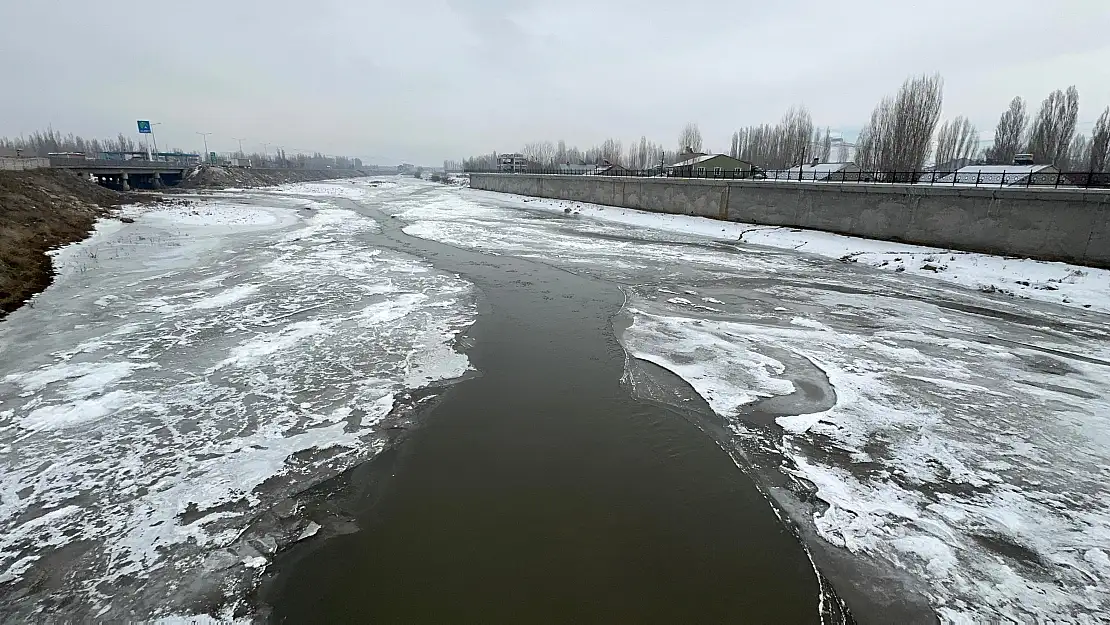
(178, 366)
(1058, 283)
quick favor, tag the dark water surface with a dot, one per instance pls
(542, 491)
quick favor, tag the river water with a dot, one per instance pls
(542, 491)
(392, 400)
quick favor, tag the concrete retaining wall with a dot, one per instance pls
(1069, 225)
(22, 164)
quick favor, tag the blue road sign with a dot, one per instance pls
(144, 126)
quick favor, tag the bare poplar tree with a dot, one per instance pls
(797, 129)
(611, 151)
(869, 145)
(956, 139)
(793, 140)
(1050, 137)
(542, 152)
(1009, 135)
(899, 136)
(1079, 154)
(821, 145)
(1099, 158)
(690, 138)
(531, 151)
(655, 154)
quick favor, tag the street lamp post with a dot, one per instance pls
(240, 146)
(205, 135)
(154, 136)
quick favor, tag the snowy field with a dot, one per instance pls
(187, 372)
(959, 434)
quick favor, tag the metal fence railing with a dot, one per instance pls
(990, 176)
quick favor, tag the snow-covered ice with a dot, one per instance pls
(980, 469)
(187, 371)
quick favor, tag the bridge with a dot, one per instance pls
(124, 174)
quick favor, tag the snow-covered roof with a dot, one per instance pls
(1003, 174)
(1001, 169)
(693, 161)
(822, 168)
(701, 158)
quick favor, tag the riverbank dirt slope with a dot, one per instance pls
(215, 177)
(41, 210)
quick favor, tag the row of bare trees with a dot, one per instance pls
(637, 155)
(792, 141)
(1051, 136)
(900, 136)
(957, 141)
(43, 142)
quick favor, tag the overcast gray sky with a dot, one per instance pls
(427, 80)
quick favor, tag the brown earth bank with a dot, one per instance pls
(44, 209)
(41, 210)
(216, 177)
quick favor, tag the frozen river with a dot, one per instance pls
(938, 449)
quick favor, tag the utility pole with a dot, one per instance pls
(205, 135)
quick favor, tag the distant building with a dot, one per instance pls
(710, 166)
(609, 169)
(1005, 176)
(514, 163)
(823, 172)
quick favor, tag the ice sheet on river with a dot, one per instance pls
(178, 366)
(980, 467)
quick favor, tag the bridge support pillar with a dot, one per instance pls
(123, 182)
(156, 180)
